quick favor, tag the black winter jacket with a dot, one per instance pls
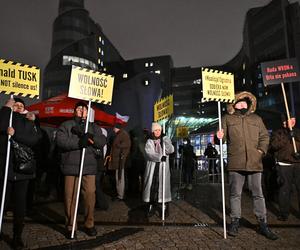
(68, 143)
(25, 133)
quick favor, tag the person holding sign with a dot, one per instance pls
(23, 132)
(247, 141)
(288, 165)
(71, 139)
(153, 186)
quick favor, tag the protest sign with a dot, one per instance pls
(19, 79)
(91, 85)
(217, 85)
(163, 108)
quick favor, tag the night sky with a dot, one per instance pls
(194, 32)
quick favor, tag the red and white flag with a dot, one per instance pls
(121, 118)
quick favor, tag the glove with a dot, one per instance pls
(163, 158)
(77, 130)
(84, 141)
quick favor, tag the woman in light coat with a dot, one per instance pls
(153, 183)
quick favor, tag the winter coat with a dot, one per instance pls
(120, 150)
(153, 160)
(282, 146)
(68, 144)
(188, 156)
(25, 133)
(245, 136)
(210, 152)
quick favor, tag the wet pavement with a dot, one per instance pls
(195, 222)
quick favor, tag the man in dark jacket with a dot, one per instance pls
(288, 165)
(247, 141)
(71, 139)
(23, 131)
(119, 151)
(211, 153)
(188, 159)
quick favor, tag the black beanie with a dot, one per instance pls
(19, 100)
(82, 104)
(284, 117)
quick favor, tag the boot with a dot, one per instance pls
(149, 210)
(166, 210)
(17, 242)
(234, 227)
(265, 231)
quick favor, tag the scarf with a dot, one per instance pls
(157, 146)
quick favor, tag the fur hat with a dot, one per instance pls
(155, 126)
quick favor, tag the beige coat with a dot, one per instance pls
(245, 136)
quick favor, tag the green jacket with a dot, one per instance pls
(245, 136)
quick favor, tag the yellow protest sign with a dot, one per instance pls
(19, 79)
(91, 85)
(163, 108)
(217, 85)
(182, 132)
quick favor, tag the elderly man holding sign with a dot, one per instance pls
(80, 143)
(247, 141)
(71, 138)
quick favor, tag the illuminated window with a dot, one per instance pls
(78, 61)
(157, 71)
(125, 75)
(100, 38)
(151, 64)
(146, 65)
(99, 50)
(99, 61)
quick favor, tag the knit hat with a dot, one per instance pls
(19, 100)
(284, 117)
(80, 103)
(155, 126)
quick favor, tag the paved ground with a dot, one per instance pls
(195, 222)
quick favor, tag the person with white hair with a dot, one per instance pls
(153, 182)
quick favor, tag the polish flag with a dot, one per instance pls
(121, 118)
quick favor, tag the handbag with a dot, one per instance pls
(24, 159)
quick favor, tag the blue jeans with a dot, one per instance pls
(236, 182)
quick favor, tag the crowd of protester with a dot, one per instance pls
(132, 164)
